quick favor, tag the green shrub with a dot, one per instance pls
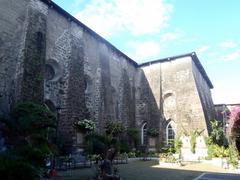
(124, 147)
(131, 154)
(114, 128)
(28, 140)
(217, 151)
(193, 137)
(153, 154)
(15, 168)
(96, 144)
(177, 145)
(133, 134)
(217, 135)
(233, 156)
(167, 157)
(152, 132)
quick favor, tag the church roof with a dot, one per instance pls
(194, 58)
(90, 31)
(101, 39)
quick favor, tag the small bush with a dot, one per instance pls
(178, 145)
(131, 154)
(15, 168)
(217, 151)
(153, 132)
(233, 156)
(167, 157)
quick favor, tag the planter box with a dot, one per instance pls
(217, 162)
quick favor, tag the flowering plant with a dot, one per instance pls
(84, 125)
(233, 127)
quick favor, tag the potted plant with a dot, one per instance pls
(84, 125)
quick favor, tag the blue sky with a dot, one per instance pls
(153, 29)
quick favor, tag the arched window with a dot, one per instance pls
(144, 134)
(170, 133)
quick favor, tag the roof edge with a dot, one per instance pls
(228, 104)
(194, 58)
(165, 59)
(51, 4)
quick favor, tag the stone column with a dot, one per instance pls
(30, 69)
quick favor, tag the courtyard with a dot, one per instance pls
(137, 170)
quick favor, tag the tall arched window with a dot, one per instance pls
(170, 133)
(144, 134)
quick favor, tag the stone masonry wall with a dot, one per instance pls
(147, 104)
(205, 96)
(47, 56)
(176, 95)
(12, 30)
(110, 84)
(86, 74)
(180, 94)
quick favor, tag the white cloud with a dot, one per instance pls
(171, 36)
(228, 44)
(213, 54)
(77, 2)
(232, 56)
(202, 49)
(138, 17)
(220, 97)
(144, 50)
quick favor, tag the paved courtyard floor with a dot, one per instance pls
(144, 170)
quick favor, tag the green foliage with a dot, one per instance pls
(27, 135)
(233, 156)
(153, 154)
(131, 154)
(217, 135)
(177, 144)
(171, 146)
(133, 134)
(114, 128)
(167, 157)
(193, 137)
(15, 168)
(153, 132)
(84, 125)
(124, 147)
(215, 150)
(97, 144)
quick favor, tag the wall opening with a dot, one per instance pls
(170, 133)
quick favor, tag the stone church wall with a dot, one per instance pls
(205, 97)
(178, 94)
(22, 51)
(48, 56)
(89, 76)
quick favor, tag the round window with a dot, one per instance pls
(49, 72)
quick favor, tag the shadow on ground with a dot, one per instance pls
(141, 170)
